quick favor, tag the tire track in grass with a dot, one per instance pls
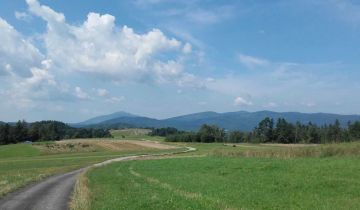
(82, 191)
(183, 193)
(55, 192)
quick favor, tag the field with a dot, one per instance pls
(22, 164)
(135, 134)
(215, 176)
(234, 177)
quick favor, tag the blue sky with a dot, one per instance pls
(161, 58)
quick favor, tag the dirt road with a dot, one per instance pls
(51, 194)
(55, 192)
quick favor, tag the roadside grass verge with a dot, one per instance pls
(81, 195)
(228, 183)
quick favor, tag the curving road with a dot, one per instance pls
(55, 192)
(51, 194)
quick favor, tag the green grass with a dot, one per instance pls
(248, 176)
(286, 151)
(18, 150)
(21, 164)
(228, 183)
(135, 134)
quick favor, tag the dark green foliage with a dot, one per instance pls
(206, 134)
(237, 137)
(354, 130)
(183, 137)
(45, 131)
(4, 134)
(265, 130)
(283, 132)
(163, 131)
(211, 133)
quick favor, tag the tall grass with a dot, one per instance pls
(81, 195)
(330, 150)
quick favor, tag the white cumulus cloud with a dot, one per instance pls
(40, 86)
(240, 101)
(99, 47)
(17, 54)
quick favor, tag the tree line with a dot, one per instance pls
(45, 131)
(269, 131)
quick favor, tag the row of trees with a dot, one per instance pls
(269, 131)
(285, 132)
(164, 131)
(45, 131)
(206, 134)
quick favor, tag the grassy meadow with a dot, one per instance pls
(242, 176)
(21, 164)
(215, 176)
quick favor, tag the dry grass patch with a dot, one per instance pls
(292, 151)
(87, 145)
(81, 196)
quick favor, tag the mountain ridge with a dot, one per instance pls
(102, 118)
(238, 120)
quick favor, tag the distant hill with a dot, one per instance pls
(241, 120)
(103, 118)
(135, 122)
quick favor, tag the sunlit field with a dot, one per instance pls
(241, 177)
(21, 164)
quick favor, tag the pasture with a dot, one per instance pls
(21, 164)
(234, 177)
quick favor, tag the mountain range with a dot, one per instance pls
(240, 120)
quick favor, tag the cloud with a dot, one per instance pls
(240, 101)
(96, 48)
(102, 92)
(115, 99)
(252, 62)
(147, 2)
(45, 12)
(183, 34)
(22, 16)
(270, 105)
(345, 9)
(308, 104)
(40, 86)
(17, 54)
(79, 93)
(187, 48)
(100, 48)
(209, 16)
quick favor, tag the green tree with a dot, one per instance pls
(354, 130)
(265, 130)
(211, 133)
(4, 133)
(236, 136)
(313, 134)
(285, 132)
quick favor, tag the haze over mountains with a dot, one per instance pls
(240, 120)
